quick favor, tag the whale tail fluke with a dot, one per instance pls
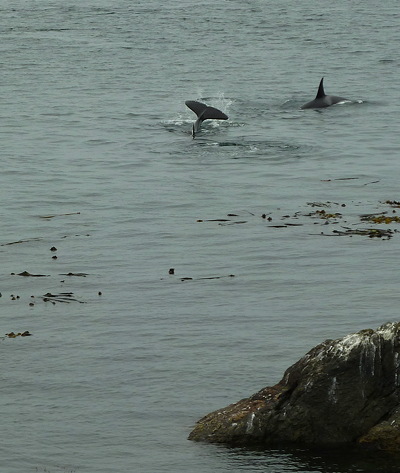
(204, 112)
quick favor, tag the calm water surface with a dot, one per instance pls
(98, 161)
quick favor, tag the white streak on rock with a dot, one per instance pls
(396, 369)
(249, 427)
(308, 385)
(332, 391)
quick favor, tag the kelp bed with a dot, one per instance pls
(327, 213)
(335, 218)
(46, 297)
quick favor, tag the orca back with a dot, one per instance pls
(322, 100)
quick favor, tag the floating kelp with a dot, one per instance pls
(327, 204)
(340, 179)
(223, 221)
(233, 223)
(21, 241)
(215, 220)
(77, 235)
(19, 334)
(65, 297)
(393, 203)
(349, 179)
(328, 217)
(26, 273)
(369, 232)
(380, 218)
(230, 221)
(171, 271)
(320, 204)
(28, 240)
(52, 251)
(325, 215)
(83, 275)
(207, 277)
(58, 215)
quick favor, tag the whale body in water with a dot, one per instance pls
(203, 112)
(322, 100)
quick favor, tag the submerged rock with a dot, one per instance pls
(344, 391)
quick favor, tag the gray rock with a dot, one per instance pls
(343, 391)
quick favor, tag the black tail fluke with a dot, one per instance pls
(204, 112)
(197, 107)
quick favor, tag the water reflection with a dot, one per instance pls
(343, 460)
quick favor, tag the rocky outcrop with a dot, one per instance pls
(343, 391)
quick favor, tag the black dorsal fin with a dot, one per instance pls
(321, 92)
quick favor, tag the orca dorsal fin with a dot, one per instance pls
(204, 112)
(321, 92)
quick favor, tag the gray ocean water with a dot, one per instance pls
(98, 162)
